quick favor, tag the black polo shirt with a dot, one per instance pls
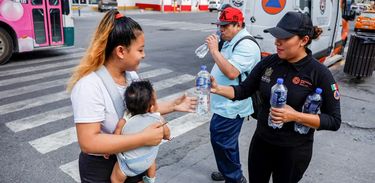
(301, 79)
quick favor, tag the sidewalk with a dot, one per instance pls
(342, 156)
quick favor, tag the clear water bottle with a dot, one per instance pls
(203, 49)
(202, 90)
(278, 99)
(311, 106)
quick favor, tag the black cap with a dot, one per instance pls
(292, 23)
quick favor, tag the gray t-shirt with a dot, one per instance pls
(136, 124)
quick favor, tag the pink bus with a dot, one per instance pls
(27, 25)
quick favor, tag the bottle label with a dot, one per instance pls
(202, 83)
(311, 107)
(279, 99)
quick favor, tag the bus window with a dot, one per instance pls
(39, 31)
(65, 7)
(54, 2)
(55, 25)
(36, 2)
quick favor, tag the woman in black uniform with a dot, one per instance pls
(283, 152)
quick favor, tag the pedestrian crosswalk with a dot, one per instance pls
(13, 84)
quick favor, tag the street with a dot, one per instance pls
(38, 138)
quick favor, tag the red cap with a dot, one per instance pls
(230, 15)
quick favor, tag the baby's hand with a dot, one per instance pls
(166, 131)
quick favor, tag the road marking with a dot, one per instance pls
(154, 73)
(55, 141)
(163, 84)
(35, 76)
(33, 102)
(72, 170)
(40, 119)
(42, 86)
(186, 123)
(49, 59)
(33, 88)
(38, 67)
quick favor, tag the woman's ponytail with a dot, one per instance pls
(316, 32)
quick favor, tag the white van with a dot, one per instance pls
(327, 14)
(213, 5)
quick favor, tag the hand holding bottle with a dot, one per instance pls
(202, 50)
(213, 42)
(283, 115)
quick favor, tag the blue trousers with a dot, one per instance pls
(224, 140)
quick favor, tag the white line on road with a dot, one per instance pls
(186, 123)
(33, 88)
(40, 119)
(173, 81)
(35, 76)
(72, 170)
(55, 141)
(49, 59)
(33, 102)
(38, 67)
(41, 86)
(75, 56)
(154, 73)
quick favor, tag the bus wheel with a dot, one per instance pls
(6, 46)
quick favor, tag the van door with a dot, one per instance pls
(324, 15)
(265, 14)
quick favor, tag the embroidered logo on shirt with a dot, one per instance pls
(267, 75)
(335, 89)
(336, 94)
(298, 81)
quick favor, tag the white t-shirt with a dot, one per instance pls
(92, 103)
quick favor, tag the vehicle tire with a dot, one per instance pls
(210, 10)
(6, 46)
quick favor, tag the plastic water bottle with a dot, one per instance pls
(311, 106)
(203, 49)
(278, 99)
(202, 89)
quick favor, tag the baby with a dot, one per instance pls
(140, 99)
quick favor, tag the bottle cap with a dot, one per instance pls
(280, 81)
(318, 90)
(203, 67)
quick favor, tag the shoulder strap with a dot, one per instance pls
(246, 37)
(110, 85)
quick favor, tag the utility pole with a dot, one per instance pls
(162, 6)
